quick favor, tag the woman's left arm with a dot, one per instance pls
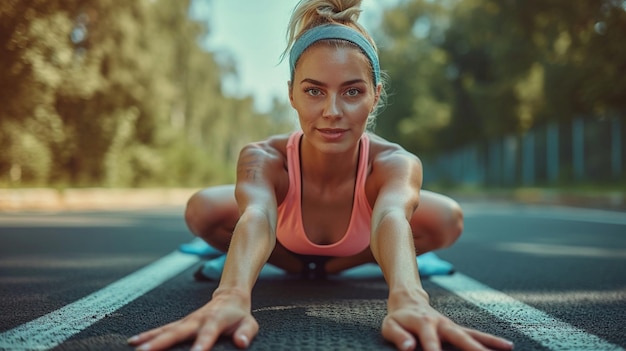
(398, 178)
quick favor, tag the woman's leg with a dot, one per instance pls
(437, 223)
(212, 215)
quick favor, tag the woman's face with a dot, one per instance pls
(333, 95)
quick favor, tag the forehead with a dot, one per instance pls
(329, 59)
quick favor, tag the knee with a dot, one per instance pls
(439, 225)
(198, 214)
(453, 226)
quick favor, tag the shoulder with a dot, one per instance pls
(387, 157)
(263, 165)
(396, 175)
(394, 171)
(270, 150)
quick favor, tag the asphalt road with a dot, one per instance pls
(549, 278)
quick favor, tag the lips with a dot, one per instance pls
(331, 130)
(332, 133)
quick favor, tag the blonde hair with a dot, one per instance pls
(312, 13)
(308, 14)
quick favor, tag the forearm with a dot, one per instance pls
(392, 246)
(251, 245)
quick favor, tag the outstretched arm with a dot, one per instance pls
(398, 178)
(229, 310)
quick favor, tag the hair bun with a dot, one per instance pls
(340, 10)
(311, 13)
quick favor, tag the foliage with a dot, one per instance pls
(119, 93)
(469, 70)
(111, 93)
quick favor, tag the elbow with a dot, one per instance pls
(257, 218)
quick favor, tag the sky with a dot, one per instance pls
(253, 32)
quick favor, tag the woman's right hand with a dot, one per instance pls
(228, 313)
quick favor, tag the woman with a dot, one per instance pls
(326, 198)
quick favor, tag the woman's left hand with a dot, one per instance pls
(409, 318)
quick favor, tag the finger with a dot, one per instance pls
(207, 336)
(245, 332)
(429, 339)
(168, 338)
(490, 340)
(145, 336)
(459, 337)
(394, 333)
(140, 338)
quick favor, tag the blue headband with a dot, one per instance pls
(334, 31)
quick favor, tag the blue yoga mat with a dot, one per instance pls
(429, 264)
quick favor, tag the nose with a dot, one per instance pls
(332, 108)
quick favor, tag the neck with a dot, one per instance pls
(328, 169)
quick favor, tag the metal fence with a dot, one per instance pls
(583, 151)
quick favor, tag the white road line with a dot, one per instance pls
(580, 215)
(54, 328)
(539, 326)
(549, 212)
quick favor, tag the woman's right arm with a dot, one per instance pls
(254, 236)
(229, 311)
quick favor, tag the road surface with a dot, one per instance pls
(548, 278)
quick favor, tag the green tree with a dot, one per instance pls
(418, 103)
(109, 93)
(469, 70)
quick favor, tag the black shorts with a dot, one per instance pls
(313, 266)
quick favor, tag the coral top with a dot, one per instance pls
(290, 229)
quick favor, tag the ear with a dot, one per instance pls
(377, 92)
(290, 87)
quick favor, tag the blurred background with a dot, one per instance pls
(491, 94)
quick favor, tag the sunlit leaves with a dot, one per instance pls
(506, 66)
(115, 93)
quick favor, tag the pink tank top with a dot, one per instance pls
(290, 229)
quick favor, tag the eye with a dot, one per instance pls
(353, 92)
(313, 91)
